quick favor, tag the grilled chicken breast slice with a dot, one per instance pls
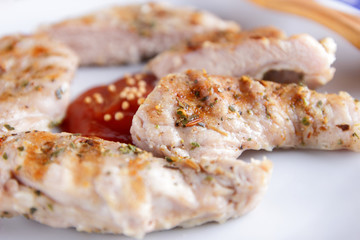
(263, 53)
(65, 180)
(35, 74)
(196, 114)
(128, 34)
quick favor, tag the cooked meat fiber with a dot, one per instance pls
(128, 34)
(35, 74)
(196, 114)
(263, 53)
(65, 180)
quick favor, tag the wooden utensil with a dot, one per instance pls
(345, 24)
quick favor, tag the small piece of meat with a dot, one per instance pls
(196, 114)
(128, 34)
(35, 74)
(65, 180)
(263, 53)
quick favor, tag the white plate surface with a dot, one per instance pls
(312, 195)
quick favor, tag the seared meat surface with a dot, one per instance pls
(263, 53)
(35, 74)
(65, 180)
(199, 115)
(128, 34)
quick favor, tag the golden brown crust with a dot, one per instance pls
(229, 37)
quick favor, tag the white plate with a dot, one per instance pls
(312, 195)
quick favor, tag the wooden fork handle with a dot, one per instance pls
(345, 24)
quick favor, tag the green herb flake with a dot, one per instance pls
(209, 178)
(8, 127)
(319, 103)
(213, 103)
(33, 210)
(157, 126)
(183, 118)
(197, 94)
(105, 152)
(128, 148)
(305, 101)
(18, 168)
(355, 135)
(21, 148)
(5, 156)
(124, 150)
(131, 147)
(54, 124)
(182, 104)
(194, 145)
(268, 115)
(50, 206)
(57, 152)
(169, 159)
(24, 83)
(236, 96)
(231, 108)
(181, 112)
(305, 121)
(249, 139)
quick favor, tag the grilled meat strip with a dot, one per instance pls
(128, 34)
(196, 114)
(263, 53)
(35, 74)
(94, 185)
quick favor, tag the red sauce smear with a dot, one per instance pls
(107, 111)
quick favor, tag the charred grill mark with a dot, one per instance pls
(35, 163)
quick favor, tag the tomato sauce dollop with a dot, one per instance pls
(107, 111)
